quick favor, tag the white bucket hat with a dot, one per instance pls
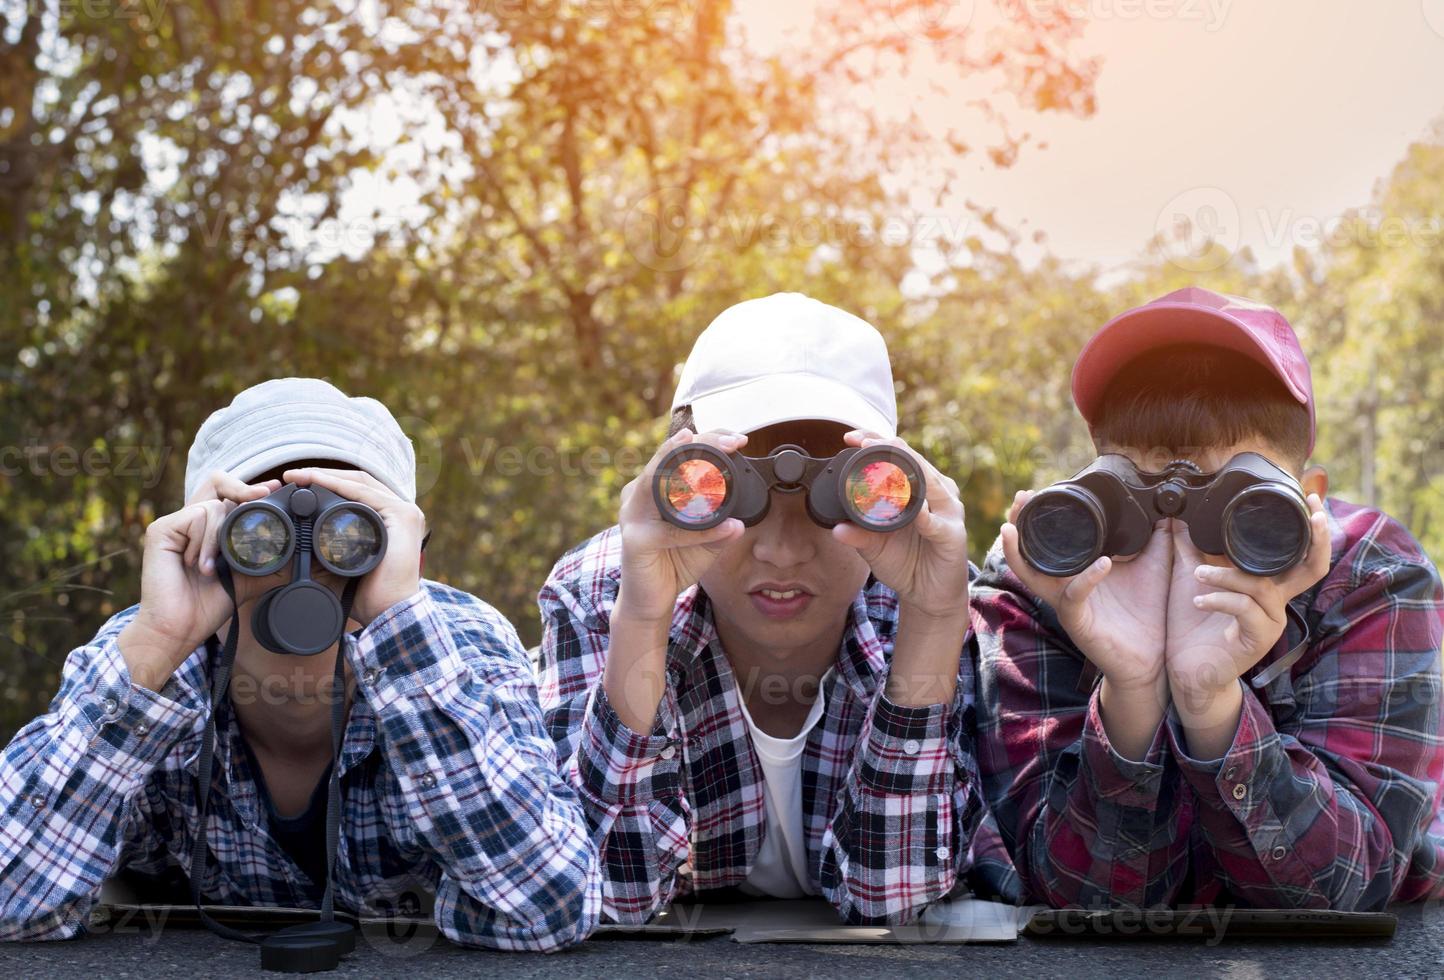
(292, 419)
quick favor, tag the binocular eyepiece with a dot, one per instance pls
(1250, 510)
(297, 524)
(697, 486)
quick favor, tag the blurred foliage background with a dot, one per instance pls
(508, 220)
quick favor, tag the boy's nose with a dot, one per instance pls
(785, 538)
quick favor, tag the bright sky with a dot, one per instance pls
(1261, 119)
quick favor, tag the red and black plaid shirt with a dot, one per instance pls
(890, 794)
(1329, 797)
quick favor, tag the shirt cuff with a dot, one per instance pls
(1232, 782)
(131, 726)
(617, 766)
(404, 647)
(911, 750)
(1127, 782)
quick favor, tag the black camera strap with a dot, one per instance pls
(310, 947)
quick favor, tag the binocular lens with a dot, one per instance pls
(258, 538)
(695, 490)
(1266, 532)
(1061, 533)
(348, 540)
(879, 492)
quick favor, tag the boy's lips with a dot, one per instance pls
(777, 600)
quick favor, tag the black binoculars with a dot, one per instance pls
(261, 537)
(1250, 510)
(698, 486)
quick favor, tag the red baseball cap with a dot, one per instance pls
(1193, 316)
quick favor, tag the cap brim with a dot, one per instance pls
(1157, 325)
(285, 444)
(787, 398)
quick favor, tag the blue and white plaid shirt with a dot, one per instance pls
(448, 776)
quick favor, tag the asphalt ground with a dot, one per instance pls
(133, 950)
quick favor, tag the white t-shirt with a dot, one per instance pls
(781, 867)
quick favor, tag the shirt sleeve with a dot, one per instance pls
(72, 800)
(630, 782)
(908, 810)
(460, 727)
(1328, 811)
(1085, 825)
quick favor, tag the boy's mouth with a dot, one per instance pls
(779, 600)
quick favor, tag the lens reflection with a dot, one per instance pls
(879, 491)
(695, 490)
(257, 538)
(348, 539)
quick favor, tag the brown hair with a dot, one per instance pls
(1192, 396)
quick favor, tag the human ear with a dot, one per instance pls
(1315, 479)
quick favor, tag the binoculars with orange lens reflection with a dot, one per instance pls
(879, 488)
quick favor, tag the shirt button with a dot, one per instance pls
(942, 853)
(912, 746)
(371, 676)
(1231, 773)
(669, 752)
(142, 729)
(110, 706)
(1278, 852)
(1239, 791)
(428, 781)
(37, 801)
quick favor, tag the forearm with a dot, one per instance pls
(1131, 714)
(70, 785)
(631, 789)
(460, 730)
(1094, 827)
(1209, 718)
(926, 653)
(635, 676)
(1289, 831)
(906, 815)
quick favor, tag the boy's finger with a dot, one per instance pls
(362, 493)
(1235, 580)
(1081, 586)
(1234, 604)
(1044, 586)
(869, 544)
(1020, 499)
(193, 529)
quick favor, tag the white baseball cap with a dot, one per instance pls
(784, 358)
(292, 419)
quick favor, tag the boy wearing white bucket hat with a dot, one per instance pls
(444, 789)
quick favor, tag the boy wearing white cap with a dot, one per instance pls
(445, 781)
(783, 708)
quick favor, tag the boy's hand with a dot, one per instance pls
(398, 577)
(660, 560)
(926, 564)
(1115, 612)
(182, 601)
(1221, 621)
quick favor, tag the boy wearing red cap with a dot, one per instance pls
(1163, 728)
